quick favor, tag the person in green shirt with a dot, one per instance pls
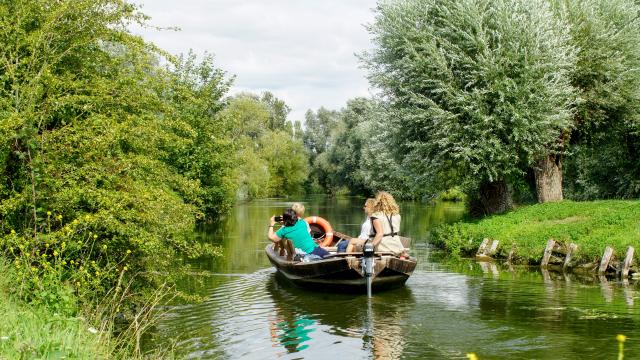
(295, 230)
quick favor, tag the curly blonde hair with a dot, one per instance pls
(386, 203)
(369, 206)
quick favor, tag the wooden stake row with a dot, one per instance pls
(557, 254)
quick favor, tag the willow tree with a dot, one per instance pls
(480, 89)
(605, 140)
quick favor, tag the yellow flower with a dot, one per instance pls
(59, 217)
(128, 252)
(48, 213)
(125, 268)
(95, 236)
(64, 262)
(621, 338)
(77, 283)
(13, 232)
(46, 245)
(63, 244)
(55, 252)
(104, 247)
(472, 356)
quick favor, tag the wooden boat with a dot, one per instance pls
(342, 271)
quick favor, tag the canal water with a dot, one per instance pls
(447, 309)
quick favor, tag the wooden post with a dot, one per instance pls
(627, 262)
(606, 258)
(483, 246)
(567, 260)
(493, 248)
(547, 253)
(510, 256)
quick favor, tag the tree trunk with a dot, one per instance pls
(548, 173)
(494, 198)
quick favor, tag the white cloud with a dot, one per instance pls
(301, 50)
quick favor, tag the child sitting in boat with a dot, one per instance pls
(295, 229)
(299, 209)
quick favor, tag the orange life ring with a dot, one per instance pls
(326, 227)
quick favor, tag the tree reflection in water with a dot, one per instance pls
(380, 322)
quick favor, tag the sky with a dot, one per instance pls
(303, 51)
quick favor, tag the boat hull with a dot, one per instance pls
(344, 273)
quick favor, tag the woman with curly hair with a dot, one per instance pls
(385, 221)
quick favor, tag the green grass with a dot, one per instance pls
(591, 225)
(36, 332)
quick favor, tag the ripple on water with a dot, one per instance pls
(439, 314)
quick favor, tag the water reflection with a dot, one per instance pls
(374, 323)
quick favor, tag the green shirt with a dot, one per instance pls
(299, 234)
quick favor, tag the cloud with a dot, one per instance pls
(301, 50)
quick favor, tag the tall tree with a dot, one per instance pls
(320, 129)
(480, 88)
(605, 138)
(278, 111)
(271, 161)
(192, 95)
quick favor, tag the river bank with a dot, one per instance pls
(37, 331)
(592, 226)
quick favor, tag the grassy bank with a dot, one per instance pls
(38, 332)
(590, 225)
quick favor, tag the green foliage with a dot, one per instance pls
(321, 128)
(30, 332)
(286, 161)
(453, 194)
(278, 112)
(349, 151)
(94, 188)
(380, 168)
(590, 225)
(271, 161)
(108, 159)
(479, 89)
(603, 162)
(353, 152)
(200, 149)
